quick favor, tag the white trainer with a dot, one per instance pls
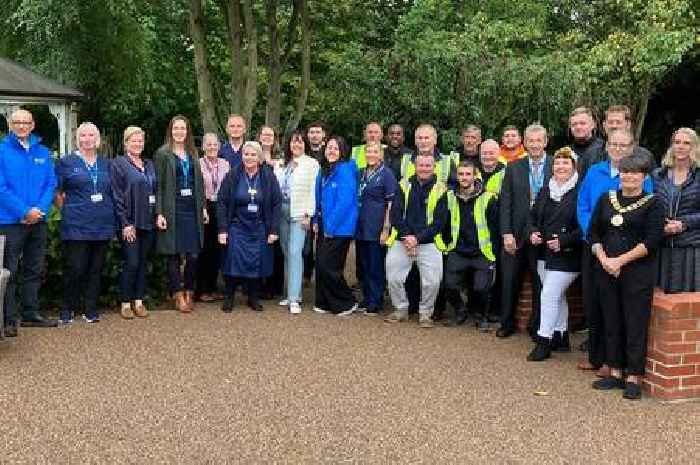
(284, 303)
(349, 311)
(294, 308)
(319, 310)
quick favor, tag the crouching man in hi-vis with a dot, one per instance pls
(467, 241)
(418, 214)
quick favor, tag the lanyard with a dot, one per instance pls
(185, 163)
(252, 190)
(366, 179)
(93, 172)
(536, 179)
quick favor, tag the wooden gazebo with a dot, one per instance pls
(21, 86)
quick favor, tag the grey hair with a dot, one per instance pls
(255, 146)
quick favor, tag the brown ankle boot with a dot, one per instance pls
(180, 302)
(189, 300)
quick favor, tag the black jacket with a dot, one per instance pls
(589, 153)
(272, 200)
(684, 206)
(414, 221)
(468, 241)
(514, 202)
(551, 219)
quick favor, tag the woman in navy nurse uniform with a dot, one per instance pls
(134, 191)
(87, 222)
(248, 212)
(376, 191)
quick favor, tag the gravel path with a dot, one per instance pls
(274, 388)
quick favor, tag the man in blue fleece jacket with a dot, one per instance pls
(27, 184)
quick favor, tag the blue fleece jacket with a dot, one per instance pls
(597, 182)
(27, 178)
(336, 199)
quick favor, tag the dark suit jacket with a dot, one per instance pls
(515, 198)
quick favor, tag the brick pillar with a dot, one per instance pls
(673, 351)
(573, 297)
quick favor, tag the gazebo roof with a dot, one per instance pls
(18, 81)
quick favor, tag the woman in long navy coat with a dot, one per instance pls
(248, 215)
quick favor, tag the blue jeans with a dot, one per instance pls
(133, 277)
(292, 237)
(28, 243)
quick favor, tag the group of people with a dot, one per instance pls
(433, 228)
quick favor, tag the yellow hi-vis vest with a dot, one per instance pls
(358, 154)
(495, 182)
(436, 193)
(442, 167)
(482, 228)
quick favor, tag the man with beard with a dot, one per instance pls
(316, 135)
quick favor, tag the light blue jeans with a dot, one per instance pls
(292, 237)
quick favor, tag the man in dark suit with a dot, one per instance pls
(523, 180)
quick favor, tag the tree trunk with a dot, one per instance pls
(250, 95)
(207, 109)
(642, 105)
(300, 106)
(232, 10)
(274, 70)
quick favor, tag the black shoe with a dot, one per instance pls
(459, 318)
(227, 306)
(505, 332)
(542, 350)
(37, 321)
(606, 384)
(483, 326)
(632, 391)
(560, 341)
(11, 331)
(255, 305)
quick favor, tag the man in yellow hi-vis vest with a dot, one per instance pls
(492, 169)
(417, 215)
(444, 164)
(469, 240)
(373, 135)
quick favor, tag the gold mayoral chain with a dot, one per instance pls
(617, 219)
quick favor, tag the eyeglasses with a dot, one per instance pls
(618, 146)
(22, 123)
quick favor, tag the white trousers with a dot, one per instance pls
(398, 265)
(554, 310)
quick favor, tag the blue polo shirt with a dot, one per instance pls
(375, 191)
(233, 157)
(88, 206)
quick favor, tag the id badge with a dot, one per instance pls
(151, 199)
(253, 208)
(96, 197)
(213, 198)
(186, 192)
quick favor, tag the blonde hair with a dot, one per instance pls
(251, 144)
(378, 146)
(669, 159)
(88, 125)
(130, 131)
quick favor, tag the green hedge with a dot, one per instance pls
(51, 293)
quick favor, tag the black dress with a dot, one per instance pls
(187, 232)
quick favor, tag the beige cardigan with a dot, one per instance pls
(302, 190)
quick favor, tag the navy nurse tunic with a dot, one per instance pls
(375, 191)
(248, 254)
(187, 232)
(88, 206)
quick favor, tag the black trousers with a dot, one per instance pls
(476, 274)
(332, 291)
(273, 285)
(82, 274)
(133, 277)
(308, 253)
(209, 260)
(181, 278)
(627, 302)
(592, 307)
(512, 268)
(25, 249)
(250, 285)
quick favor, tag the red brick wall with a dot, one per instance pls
(573, 296)
(673, 349)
